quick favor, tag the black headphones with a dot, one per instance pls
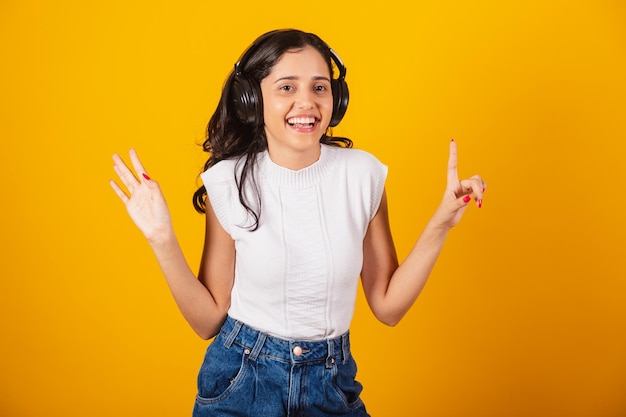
(248, 99)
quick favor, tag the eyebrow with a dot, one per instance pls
(293, 77)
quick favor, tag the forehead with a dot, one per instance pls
(307, 60)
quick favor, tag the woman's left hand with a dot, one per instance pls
(144, 202)
(458, 193)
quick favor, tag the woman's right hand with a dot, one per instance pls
(144, 202)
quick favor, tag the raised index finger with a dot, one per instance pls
(453, 174)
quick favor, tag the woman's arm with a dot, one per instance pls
(391, 289)
(205, 301)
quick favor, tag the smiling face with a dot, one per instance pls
(297, 107)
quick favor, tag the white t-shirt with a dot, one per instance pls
(296, 275)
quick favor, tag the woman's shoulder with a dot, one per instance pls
(222, 172)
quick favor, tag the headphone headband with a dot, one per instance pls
(251, 49)
(339, 64)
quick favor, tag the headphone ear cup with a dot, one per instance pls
(341, 97)
(247, 99)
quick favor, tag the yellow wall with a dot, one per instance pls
(525, 313)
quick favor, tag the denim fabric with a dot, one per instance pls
(248, 373)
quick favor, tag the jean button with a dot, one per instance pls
(297, 351)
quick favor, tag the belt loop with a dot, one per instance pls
(233, 334)
(260, 341)
(331, 353)
(345, 347)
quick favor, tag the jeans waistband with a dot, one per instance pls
(295, 351)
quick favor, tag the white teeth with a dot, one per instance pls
(301, 120)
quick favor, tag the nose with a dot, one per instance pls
(304, 99)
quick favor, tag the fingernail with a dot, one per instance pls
(466, 199)
(451, 139)
(479, 202)
(146, 176)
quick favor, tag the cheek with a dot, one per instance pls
(272, 112)
(275, 106)
(328, 104)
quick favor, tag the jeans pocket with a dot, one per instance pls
(222, 372)
(345, 383)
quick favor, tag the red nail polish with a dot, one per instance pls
(479, 202)
(466, 199)
(146, 176)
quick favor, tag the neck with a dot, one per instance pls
(295, 160)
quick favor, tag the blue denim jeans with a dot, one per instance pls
(248, 373)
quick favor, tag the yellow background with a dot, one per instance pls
(525, 313)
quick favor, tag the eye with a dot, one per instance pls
(286, 87)
(320, 88)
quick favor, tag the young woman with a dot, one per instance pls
(293, 217)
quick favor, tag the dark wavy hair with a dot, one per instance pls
(227, 137)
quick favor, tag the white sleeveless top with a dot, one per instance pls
(296, 276)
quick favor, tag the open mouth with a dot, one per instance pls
(301, 122)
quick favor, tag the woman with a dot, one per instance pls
(293, 217)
